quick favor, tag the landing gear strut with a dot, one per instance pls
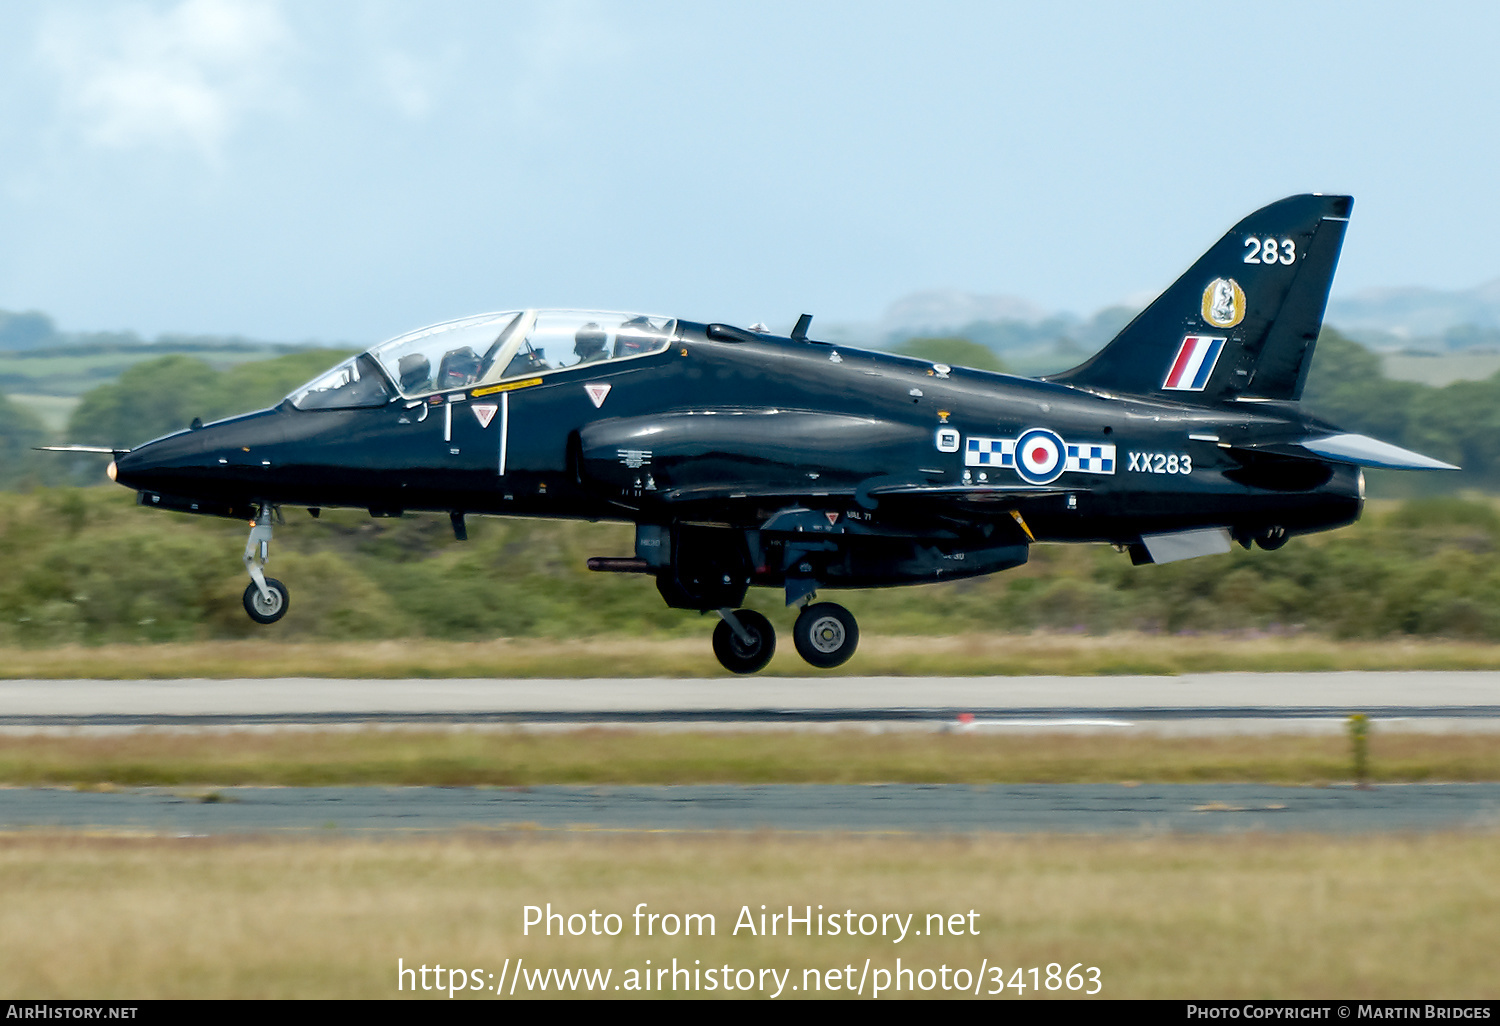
(744, 640)
(266, 599)
(825, 634)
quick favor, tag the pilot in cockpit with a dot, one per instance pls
(590, 343)
(459, 368)
(415, 371)
(636, 336)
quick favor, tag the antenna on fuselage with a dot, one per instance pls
(799, 333)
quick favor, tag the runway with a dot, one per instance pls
(1204, 703)
(933, 809)
(1189, 704)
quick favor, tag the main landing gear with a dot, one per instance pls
(266, 599)
(825, 635)
(744, 640)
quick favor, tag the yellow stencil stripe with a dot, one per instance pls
(509, 386)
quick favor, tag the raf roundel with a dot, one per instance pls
(1039, 456)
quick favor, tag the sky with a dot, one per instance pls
(351, 170)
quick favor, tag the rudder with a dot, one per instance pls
(1241, 322)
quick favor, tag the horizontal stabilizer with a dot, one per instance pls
(1365, 451)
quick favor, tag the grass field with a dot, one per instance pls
(1040, 653)
(1165, 917)
(520, 758)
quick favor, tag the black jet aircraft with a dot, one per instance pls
(745, 458)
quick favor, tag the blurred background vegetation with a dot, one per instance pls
(85, 565)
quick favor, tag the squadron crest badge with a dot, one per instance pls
(1223, 303)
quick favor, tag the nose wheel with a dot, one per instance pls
(268, 606)
(744, 640)
(266, 599)
(825, 634)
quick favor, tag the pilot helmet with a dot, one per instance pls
(590, 340)
(635, 336)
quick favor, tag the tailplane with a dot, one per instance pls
(1241, 322)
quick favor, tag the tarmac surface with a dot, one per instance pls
(1192, 703)
(934, 809)
(1210, 703)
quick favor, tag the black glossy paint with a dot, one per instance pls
(757, 459)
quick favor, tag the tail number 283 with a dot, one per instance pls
(1269, 251)
(1161, 463)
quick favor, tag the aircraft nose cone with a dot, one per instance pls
(181, 472)
(147, 465)
(211, 468)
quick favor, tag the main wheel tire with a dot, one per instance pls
(739, 657)
(262, 609)
(825, 634)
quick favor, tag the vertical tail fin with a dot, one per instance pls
(1241, 322)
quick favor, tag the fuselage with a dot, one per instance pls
(727, 427)
(748, 459)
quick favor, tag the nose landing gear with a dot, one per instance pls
(266, 600)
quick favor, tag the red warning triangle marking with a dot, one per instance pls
(597, 393)
(485, 412)
(833, 518)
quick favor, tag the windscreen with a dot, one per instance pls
(355, 382)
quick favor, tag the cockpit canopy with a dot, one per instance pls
(482, 350)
